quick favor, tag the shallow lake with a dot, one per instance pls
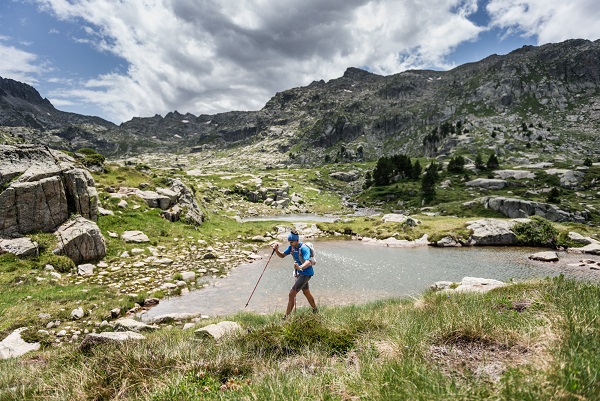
(350, 272)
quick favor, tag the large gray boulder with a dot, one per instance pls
(186, 200)
(81, 240)
(492, 232)
(487, 183)
(21, 247)
(519, 208)
(40, 188)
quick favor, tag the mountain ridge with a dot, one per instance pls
(555, 85)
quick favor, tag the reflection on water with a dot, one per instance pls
(351, 272)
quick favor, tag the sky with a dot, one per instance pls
(119, 59)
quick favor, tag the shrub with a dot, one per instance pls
(537, 232)
(61, 263)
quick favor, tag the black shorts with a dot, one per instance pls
(301, 283)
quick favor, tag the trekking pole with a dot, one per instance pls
(261, 274)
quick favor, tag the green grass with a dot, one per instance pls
(435, 348)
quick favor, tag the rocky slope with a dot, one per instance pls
(552, 89)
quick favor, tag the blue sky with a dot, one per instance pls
(122, 59)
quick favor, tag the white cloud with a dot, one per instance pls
(207, 56)
(549, 20)
(19, 65)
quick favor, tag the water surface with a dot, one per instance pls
(350, 272)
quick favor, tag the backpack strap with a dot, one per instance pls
(302, 260)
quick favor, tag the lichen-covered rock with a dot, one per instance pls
(81, 240)
(21, 247)
(492, 232)
(41, 187)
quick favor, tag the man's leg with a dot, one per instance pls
(291, 301)
(309, 298)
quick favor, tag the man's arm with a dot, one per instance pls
(275, 247)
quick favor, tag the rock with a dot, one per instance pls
(447, 242)
(580, 239)
(396, 243)
(94, 339)
(260, 238)
(44, 186)
(115, 313)
(21, 247)
(549, 256)
(173, 214)
(518, 208)
(188, 276)
(492, 232)
(593, 249)
(133, 325)
(219, 330)
(149, 302)
(400, 218)
(487, 183)
(473, 284)
(81, 240)
(173, 317)
(14, 346)
(105, 212)
(154, 200)
(86, 269)
(77, 314)
(345, 176)
(187, 201)
(135, 236)
(123, 204)
(515, 174)
(209, 255)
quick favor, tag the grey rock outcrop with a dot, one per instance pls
(400, 218)
(81, 240)
(133, 325)
(468, 284)
(40, 188)
(519, 208)
(492, 232)
(185, 199)
(21, 247)
(487, 183)
(134, 236)
(346, 176)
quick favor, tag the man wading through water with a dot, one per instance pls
(303, 271)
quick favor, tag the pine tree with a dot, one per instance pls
(479, 165)
(493, 162)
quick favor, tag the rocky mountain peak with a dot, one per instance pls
(9, 88)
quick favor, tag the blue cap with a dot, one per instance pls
(293, 237)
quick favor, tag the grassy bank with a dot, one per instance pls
(528, 341)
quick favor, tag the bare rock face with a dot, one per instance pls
(81, 240)
(39, 188)
(19, 246)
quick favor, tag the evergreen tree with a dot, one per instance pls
(383, 172)
(416, 170)
(587, 162)
(493, 162)
(479, 165)
(553, 195)
(368, 180)
(428, 184)
(456, 165)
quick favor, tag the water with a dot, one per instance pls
(351, 272)
(294, 218)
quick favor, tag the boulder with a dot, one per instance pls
(518, 208)
(81, 240)
(21, 247)
(515, 174)
(400, 218)
(173, 317)
(154, 200)
(187, 201)
(14, 346)
(86, 269)
(77, 314)
(548, 256)
(133, 325)
(487, 183)
(346, 176)
(492, 232)
(219, 330)
(474, 284)
(592, 249)
(41, 188)
(134, 236)
(94, 339)
(447, 242)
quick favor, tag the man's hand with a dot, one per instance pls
(275, 246)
